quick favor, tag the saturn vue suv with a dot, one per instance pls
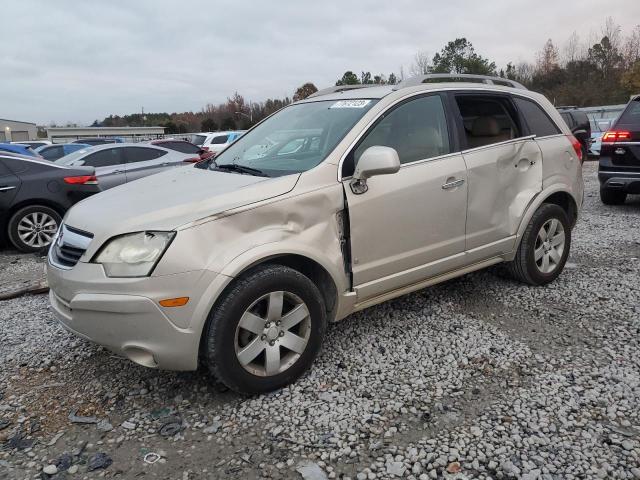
(333, 204)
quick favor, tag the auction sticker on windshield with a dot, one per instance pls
(351, 104)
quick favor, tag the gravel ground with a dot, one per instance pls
(479, 377)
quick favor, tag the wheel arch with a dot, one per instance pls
(309, 266)
(34, 202)
(558, 195)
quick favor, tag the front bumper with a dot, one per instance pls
(123, 314)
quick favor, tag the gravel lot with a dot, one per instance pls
(480, 377)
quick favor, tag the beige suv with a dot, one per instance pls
(333, 204)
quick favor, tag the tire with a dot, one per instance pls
(525, 267)
(45, 221)
(612, 197)
(250, 297)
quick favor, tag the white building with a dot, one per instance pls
(129, 134)
(15, 131)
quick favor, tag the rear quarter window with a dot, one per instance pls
(142, 154)
(182, 147)
(631, 114)
(539, 123)
(219, 140)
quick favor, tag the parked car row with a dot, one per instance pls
(34, 196)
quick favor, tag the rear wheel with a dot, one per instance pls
(266, 330)
(31, 229)
(612, 197)
(544, 247)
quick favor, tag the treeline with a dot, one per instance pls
(599, 70)
(234, 114)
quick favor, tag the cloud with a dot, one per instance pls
(78, 60)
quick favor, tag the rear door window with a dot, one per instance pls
(142, 154)
(487, 119)
(536, 118)
(105, 158)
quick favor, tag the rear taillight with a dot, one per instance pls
(577, 146)
(82, 180)
(192, 160)
(616, 136)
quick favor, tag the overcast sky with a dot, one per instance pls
(82, 60)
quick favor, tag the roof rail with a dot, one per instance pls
(340, 88)
(428, 78)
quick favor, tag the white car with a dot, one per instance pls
(216, 141)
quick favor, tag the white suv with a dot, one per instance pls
(216, 141)
(356, 196)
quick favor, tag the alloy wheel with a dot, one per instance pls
(549, 247)
(37, 229)
(272, 333)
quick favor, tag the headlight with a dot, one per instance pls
(134, 254)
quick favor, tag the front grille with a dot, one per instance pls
(69, 246)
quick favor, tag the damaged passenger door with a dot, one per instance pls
(409, 225)
(504, 167)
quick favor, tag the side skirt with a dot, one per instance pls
(427, 283)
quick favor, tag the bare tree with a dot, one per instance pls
(613, 32)
(421, 64)
(631, 48)
(524, 72)
(547, 58)
(571, 50)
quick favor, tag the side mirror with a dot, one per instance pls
(376, 160)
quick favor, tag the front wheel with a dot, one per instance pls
(544, 247)
(31, 229)
(266, 330)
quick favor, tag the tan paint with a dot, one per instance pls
(407, 232)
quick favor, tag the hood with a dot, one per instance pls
(168, 200)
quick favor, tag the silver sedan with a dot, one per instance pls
(120, 163)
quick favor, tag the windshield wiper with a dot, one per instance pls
(234, 167)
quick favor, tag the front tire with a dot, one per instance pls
(31, 229)
(544, 248)
(266, 330)
(612, 197)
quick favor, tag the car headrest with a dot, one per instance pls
(485, 127)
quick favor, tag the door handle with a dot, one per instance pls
(453, 184)
(5, 189)
(118, 171)
(165, 164)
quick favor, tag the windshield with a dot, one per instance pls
(198, 139)
(73, 158)
(295, 139)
